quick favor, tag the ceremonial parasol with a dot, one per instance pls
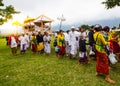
(17, 24)
(28, 20)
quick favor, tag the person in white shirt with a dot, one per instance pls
(72, 42)
(47, 47)
(83, 33)
(67, 46)
(77, 39)
(28, 40)
(23, 43)
(12, 42)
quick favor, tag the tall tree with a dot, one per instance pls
(6, 12)
(111, 3)
(85, 26)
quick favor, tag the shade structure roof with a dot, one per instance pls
(43, 18)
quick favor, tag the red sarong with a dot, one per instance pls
(34, 47)
(62, 50)
(102, 63)
(114, 46)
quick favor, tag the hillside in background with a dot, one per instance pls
(109, 22)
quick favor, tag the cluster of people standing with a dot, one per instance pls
(73, 43)
(101, 43)
(36, 41)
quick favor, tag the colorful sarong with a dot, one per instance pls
(102, 63)
(34, 47)
(61, 50)
(40, 46)
(83, 58)
(115, 47)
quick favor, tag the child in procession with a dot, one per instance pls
(82, 50)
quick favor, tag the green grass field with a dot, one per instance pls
(40, 70)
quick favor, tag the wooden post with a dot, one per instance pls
(41, 27)
(50, 31)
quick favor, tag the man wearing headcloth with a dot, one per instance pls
(72, 42)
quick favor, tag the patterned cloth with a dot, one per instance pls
(61, 44)
(60, 40)
(100, 42)
(114, 42)
(114, 46)
(34, 43)
(62, 50)
(102, 63)
(34, 47)
(40, 46)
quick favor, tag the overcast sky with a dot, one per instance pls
(73, 10)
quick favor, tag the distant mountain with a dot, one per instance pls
(109, 22)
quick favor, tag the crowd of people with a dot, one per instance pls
(101, 42)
